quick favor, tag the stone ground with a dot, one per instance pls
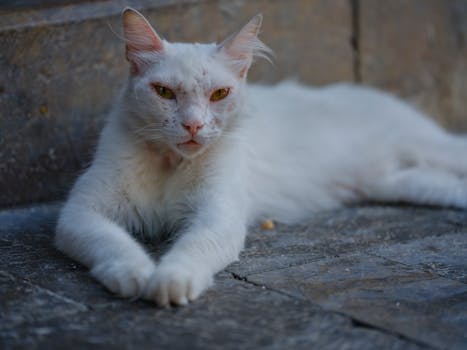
(370, 277)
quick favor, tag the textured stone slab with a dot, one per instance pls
(233, 315)
(380, 292)
(330, 234)
(47, 301)
(43, 304)
(445, 256)
(355, 300)
(26, 242)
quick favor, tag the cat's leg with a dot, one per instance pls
(212, 240)
(420, 185)
(115, 259)
(431, 169)
(447, 152)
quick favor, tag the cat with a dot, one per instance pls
(191, 151)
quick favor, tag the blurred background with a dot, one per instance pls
(61, 65)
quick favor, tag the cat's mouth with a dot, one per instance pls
(190, 149)
(191, 144)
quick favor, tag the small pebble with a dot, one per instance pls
(43, 109)
(267, 225)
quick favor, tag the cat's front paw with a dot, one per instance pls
(177, 284)
(125, 278)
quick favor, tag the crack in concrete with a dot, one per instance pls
(278, 268)
(362, 324)
(264, 287)
(354, 321)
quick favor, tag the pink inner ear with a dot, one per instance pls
(241, 47)
(240, 54)
(139, 35)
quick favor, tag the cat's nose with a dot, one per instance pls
(193, 126)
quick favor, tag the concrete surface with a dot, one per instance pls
(368, 277)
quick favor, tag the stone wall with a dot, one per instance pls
(60, 67)
(418, 50)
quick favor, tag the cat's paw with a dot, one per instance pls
(177, 284)
(127, 278)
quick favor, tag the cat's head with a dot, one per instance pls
(186, 95)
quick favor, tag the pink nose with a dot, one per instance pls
(193, 126)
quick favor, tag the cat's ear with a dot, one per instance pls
(141, 39)
(240, 48)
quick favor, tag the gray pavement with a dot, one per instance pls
(369, 277)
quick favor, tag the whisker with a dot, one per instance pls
(155, 123)
(148, 128)
(147, 131)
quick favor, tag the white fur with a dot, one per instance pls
(280, 152)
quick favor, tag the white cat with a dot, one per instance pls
(190, 149)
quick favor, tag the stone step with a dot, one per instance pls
(379, 277)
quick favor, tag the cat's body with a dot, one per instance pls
(284, 152)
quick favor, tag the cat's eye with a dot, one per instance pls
(219, 94)
(164, 92)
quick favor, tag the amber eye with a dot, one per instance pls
(219, 94)
(163, 91)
